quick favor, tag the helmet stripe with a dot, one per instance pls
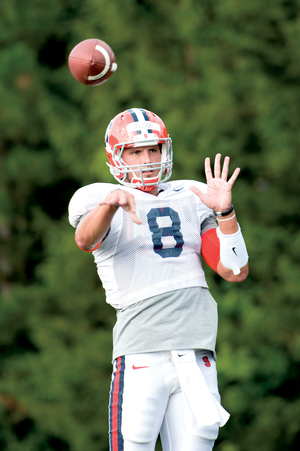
(146, 119)
(133, 114)
(140, 115)
(135, 118)
(145, 115)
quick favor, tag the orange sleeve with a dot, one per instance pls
(210, 248)
(91, 250)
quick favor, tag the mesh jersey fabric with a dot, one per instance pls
(162, 254)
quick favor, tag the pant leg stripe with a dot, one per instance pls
(115, 406)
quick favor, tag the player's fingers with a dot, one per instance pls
(217, 166)
(197, 191)
(122, 199)
(234, 176)
(194, 189)
(114, 198)
(129, 200)
(107, 202)
(134, 217)
(119, 197)
(207, 169)
(225, 168)
(132, 214)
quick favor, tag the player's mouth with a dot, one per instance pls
(148, 173)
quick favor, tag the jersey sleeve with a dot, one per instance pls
(86, 199)
(78, 206)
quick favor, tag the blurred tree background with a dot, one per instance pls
(225, 77)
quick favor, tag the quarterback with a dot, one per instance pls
(147, 236)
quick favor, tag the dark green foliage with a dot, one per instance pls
(225, 77)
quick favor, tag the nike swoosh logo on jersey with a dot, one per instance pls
(234, 251)
(178, 189)
(181, 355)
(138, 367)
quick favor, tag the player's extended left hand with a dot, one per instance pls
(218, 196)
(123, 199)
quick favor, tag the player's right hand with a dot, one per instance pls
(123, 199)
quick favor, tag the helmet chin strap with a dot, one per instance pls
(139, 184)
(146, 189)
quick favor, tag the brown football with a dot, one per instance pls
(92, 62)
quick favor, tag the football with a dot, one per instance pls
(92, 62)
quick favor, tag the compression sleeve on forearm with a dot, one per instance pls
(210, 248)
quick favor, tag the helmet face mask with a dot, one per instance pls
(138, 128)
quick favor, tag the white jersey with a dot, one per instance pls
(135, 262)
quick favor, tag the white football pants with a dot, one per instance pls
(146, 400)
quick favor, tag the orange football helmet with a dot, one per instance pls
(135, 128)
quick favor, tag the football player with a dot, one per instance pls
(147, 235)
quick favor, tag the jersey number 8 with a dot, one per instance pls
(159, 232)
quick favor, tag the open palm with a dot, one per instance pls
(218, 196)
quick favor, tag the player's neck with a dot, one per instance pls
(154, 191)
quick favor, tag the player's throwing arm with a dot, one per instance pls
(94, 226)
